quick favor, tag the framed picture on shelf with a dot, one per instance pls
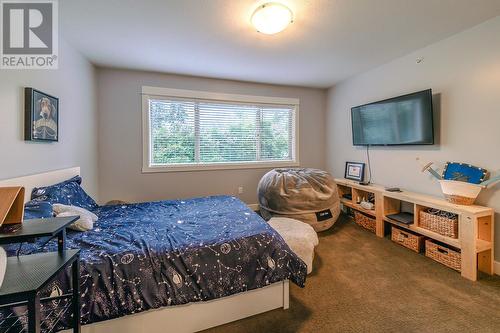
(41, 116)
(354, 171)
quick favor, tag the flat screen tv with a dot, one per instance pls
(403, 120)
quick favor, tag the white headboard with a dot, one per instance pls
(41, 179)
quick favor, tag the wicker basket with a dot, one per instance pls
(443, 255)
(440, 224)
(460, 200)
(461, 193)
(407, 239)
(365, 221)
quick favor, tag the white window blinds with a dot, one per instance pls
(188, 131)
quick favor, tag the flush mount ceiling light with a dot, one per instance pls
(271, 18)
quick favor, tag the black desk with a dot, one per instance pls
(32, 229)
(27, 275)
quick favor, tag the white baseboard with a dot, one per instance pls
(253, 207)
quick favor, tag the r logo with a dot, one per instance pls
(27, 28)
(28, 35)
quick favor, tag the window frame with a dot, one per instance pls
(149, 92)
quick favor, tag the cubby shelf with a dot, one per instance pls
(482, 245)
(431, 234)
(357, 207)
(475, 223)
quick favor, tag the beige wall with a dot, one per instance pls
(74, 84)
(120, 138)
(464, 73)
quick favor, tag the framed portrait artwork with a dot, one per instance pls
(355, 171)
(41, 116)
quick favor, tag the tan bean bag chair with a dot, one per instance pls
(307, 195)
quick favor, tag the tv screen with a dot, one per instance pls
(403, 120)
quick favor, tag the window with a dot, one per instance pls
(188, 130)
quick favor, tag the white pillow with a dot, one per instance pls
(84, 223)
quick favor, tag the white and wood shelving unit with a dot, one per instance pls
(475, 223)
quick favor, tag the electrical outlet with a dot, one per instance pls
(240, 190)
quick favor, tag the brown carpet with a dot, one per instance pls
(361, 283)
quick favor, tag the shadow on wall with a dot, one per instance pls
(486, 195)
(436, 109)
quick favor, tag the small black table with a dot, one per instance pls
(36, 228)
(27, 275)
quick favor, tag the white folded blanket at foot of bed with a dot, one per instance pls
(299, 236)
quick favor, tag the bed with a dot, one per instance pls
(183, 264)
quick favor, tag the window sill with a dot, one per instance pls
(219, 166)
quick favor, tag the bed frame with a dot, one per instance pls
(183, 318)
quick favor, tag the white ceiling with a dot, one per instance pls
(329, 40)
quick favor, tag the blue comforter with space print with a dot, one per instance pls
(149, 255)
